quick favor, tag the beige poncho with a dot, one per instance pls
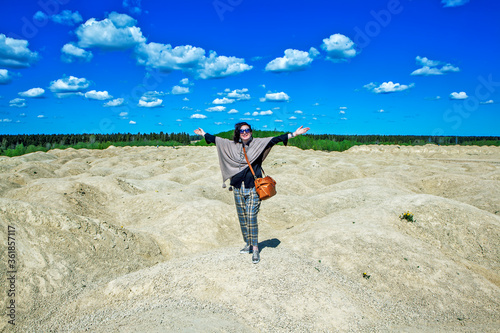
(231, 157)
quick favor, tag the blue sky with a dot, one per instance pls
(418, 67)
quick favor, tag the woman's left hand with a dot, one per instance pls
(301, 130)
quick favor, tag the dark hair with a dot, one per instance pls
(237, 127)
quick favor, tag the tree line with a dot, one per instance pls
(14, 145)
(10, 141)
(336, 142)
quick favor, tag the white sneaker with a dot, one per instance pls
(255, 257)
(246, 249)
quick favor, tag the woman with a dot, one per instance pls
(234, 167)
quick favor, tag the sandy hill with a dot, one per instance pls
(146, 240)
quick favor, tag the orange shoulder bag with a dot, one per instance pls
(265, 187)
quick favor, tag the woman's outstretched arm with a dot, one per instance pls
(299, 131)
(209, 138)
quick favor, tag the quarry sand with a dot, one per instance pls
(145, 239)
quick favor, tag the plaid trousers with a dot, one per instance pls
(247, 206)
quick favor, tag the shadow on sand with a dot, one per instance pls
(274, 242)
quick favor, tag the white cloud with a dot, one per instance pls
(18, 103)
(344, 118)
(115, 102)
(70, 53)
(189, 59)
(426, 71)
(277, 97)
(33, 93)
(218, 108)
(123, 114)
(5, 76)
(238, 94)
(6, 120)
(133, 6)
(460, 95)
(429, 67)
(298, 111)
(117, 32)
(424, 61)
(454, 3)
(167, 59)
(40, 16)
(14, 53)
(294, 60)
(487, 102)
(150, 102)
(388, 87)
(184, 81)
(132, 122)
(262, 113)
(66, 17)
(185, 99)
(186, 108)
(198, 116)
(69, 94)
(178, 90)
(278, 121)
(343, 108)
(246, 113)
(98, 95)
(69, 84)
(380, 111)
(40, 116)
(224, 100)
(221, 66)
(150, 94)
(339, 48)
(316, 104)
(292, 118)
(341, 112)
(449, 68)
(122, 20)
(232, 111)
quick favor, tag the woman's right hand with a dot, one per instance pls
(199, 131)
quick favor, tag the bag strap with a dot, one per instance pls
(246, 157)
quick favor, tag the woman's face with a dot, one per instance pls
(245, 133)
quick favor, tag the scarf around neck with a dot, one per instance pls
(232, 159)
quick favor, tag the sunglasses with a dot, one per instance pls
(246, 130)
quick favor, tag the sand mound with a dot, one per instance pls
(145, 239)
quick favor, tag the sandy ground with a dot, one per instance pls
(146, 240)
